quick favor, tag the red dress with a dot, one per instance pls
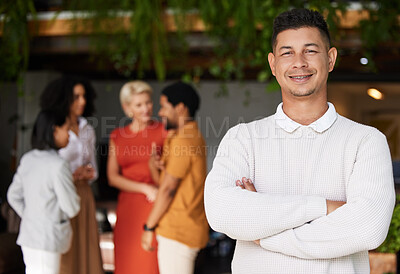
(133, 150)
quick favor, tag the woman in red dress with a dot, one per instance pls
(130, 148)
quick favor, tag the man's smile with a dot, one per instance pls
(300, 78)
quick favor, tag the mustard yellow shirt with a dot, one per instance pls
(184, 155)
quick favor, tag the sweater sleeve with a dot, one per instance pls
(361, 224)
(246, 215)
(66, 192)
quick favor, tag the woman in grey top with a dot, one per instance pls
(44, 196)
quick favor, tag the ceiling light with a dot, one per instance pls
(374, 93)
(364, 61)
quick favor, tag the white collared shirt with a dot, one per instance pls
(320, 125)
(81, 148)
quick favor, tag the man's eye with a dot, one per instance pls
(311, 51)
(286, 53)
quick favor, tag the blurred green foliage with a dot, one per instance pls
(392, 241)
(241, 31)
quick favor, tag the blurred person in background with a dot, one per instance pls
(75, 96)
(44, 196)
(129, 152)
(178, 218)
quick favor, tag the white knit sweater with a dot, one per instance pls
(295, 169)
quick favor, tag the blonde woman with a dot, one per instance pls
(130, 148)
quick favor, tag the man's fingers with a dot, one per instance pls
(239, 184)
(147, 241)
(147, 247)
(248, 184)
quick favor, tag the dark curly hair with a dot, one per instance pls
(59, 95)
(298, 18)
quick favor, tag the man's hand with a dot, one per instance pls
(333, 205)
(246, 184)
(147, 240)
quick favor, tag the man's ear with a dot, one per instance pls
(271, 61)
(332, 55)
(180, 108)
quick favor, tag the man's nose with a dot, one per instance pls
(300, 61)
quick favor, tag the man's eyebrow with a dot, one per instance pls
(311, 45)
(305, 45)
(285, 47)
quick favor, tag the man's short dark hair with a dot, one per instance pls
(180, 92)
(298, 18)
(43, 131)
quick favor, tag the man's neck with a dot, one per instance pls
(305, 112)
(182, 121)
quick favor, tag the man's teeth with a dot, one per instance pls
(299, 77)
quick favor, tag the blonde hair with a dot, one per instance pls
(132, 88)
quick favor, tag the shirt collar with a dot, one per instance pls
(82, 122)
(322, 124)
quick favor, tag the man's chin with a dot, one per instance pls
(168, 126)
(302, 93)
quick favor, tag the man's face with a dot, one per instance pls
(168, 113)
(301, 62)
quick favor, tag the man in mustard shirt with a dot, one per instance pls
(178, 216)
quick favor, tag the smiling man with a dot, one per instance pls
(315, 189)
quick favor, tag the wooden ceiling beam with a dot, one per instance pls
(68, 23)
